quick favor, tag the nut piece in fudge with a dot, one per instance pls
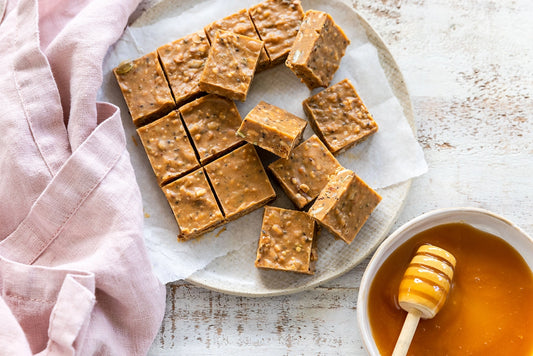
(212, 122)
(287, 241)
(240, 182)
(306, 172)
(277, 22)
(317, 51)
(183, 61)
(272, 129)
(168, 148)
(193, 204)
(339, 117)
(145, 88)
(344, 205)
(241, 24)
(231, 65)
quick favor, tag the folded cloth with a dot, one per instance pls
(74, 274)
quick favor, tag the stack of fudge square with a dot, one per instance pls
(202, 152)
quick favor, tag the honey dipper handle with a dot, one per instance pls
(407, 333)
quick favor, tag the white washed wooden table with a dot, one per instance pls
(469, 67)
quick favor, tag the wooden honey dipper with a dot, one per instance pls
(423, 290)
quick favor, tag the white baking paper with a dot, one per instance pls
(390, 156)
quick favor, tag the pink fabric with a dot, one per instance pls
(74, 274)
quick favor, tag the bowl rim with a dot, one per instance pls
(401, 235)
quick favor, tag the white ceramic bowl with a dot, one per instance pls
(480, 219)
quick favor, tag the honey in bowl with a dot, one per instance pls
(489, 310)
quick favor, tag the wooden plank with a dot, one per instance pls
(199, 321)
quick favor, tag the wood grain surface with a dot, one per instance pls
(469, 67)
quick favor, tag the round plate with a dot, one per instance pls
(234, 273)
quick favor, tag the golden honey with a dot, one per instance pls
(489, 310)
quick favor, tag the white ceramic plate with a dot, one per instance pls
(235, 273)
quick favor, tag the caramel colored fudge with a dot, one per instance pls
(272, 129)
(231, 65)
(287, 241)
(306, 172)
(317, 51)
(344, 205)
(241, 24)
(193, 204)
(212, 122)
(339, 117)
(277, 22)
(145, 88)
(240, 182)
(183, 61)
(168, 148)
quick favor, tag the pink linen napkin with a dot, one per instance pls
(74, 275)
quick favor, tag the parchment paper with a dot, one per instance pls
(390, 156)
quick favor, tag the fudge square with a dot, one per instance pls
(272, 129)
(344, 205)
(241, 24)
(145, 88)
(240, 182)
(212, 122)
(306, 172)
(339, 117)
(168, 148)
(277, 22)
(183, 61)
(193, 204)
(317, 51)
(231, 65)
(287, 241)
